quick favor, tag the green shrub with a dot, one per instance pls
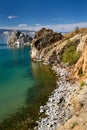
(77, 30)
(73, 125)
(70, 55)
(81, 74)
(82, 84)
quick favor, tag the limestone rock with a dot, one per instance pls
(19, 39)
(81, 65)
(83, 42)
(42, 40)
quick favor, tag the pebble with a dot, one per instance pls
(57, 108)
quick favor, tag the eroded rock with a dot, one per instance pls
(19, 39)
(42, 40)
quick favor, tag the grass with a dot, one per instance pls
(81, 74)
(74, 125)
(82, 84)
(70, 55)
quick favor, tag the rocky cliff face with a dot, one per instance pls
(80, 69)
(43, 42)
(78, 103)
(19, 39)
(49, 47)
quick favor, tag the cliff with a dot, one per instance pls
(19, 39)
(43, 42)
(67, 107)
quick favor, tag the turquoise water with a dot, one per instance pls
(24, 87)
(14, 83)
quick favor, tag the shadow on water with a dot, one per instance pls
(36, 96)
(44, 85)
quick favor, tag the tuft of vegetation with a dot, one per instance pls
(76, 30)
(74, 125)
(81, 74)
(82, 84)
(70, 55)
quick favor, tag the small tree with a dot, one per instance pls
(76, 29)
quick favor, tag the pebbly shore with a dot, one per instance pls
(57, 109)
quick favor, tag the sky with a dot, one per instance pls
(59, 15)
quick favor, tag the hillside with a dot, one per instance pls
(68, 52)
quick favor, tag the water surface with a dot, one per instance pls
(14, 82)
(24, 85)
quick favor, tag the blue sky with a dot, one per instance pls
(60, 15)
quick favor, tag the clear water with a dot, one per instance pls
(24, 85)
(14, 65)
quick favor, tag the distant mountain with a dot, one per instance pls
(2, 31)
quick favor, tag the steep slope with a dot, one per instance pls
(79, 108)
(51, 47)
(48, 46)
(43, 42)
(80, 69)
(69, 52)
(78, 102)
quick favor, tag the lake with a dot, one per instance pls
(24, 87)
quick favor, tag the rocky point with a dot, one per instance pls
(19, 39)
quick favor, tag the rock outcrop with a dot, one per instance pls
(66, 108)
(48, 46)
(80, 68)
(19, 39)
(81, 65)
(41, 42)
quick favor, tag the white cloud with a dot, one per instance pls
(62, 27)
(22, 25)
(56, 19)
(38, 24)
(57, 27)
(12, 17)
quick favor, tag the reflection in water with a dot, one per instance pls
(18, 58)
(45, 82)
(39, 70)
(15, 46)
(36, 96)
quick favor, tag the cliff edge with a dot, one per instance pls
(42, 43)
(65, 52)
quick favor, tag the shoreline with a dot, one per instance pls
(26, 116)
(57, 108)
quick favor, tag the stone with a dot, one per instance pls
(58, 106)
